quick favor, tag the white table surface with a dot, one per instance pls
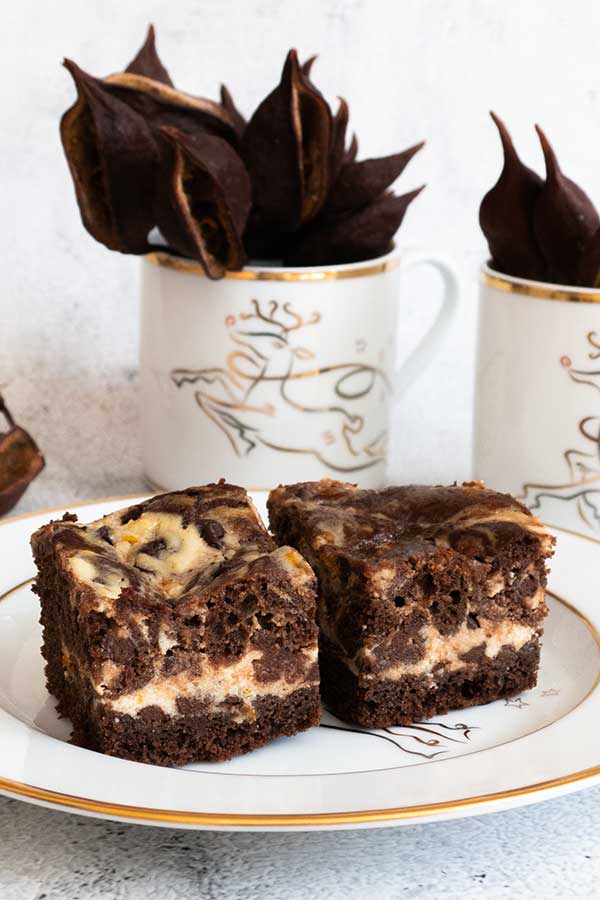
(551, 849)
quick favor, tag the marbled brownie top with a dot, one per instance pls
(171, 550)
(399, 523)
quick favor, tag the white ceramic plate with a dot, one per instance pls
(509, 753)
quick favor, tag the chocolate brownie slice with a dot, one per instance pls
(431, 598)
(176, 630)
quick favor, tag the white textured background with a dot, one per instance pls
(410, 69)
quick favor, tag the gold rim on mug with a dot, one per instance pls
(513, 285)
(177, 817)
(326, 273)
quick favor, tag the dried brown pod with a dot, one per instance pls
(565, 219)
(210, 197)
(232, 111)
(147, 61)
(588, 269)
(337, 152)
(359, 183)
(362, 235)
(160, 104)
(308, 64)
(20, 461)
(352, 151)
(506, 214)
(112, 158)
(286, 149)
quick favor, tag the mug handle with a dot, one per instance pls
(427, 347)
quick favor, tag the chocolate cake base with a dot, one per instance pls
(385, 703)
(161, 740)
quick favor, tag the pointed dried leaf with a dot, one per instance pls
(565, 220)
(210, 201)
(112, 157)
(506, 215)
(147, 61)
(359, 183)
(365, 234)
(337, 152)
(286, 149)
(308, 64)
(20, 462)
(352, 150)
(232, 111)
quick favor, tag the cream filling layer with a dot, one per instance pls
(449, 649)
(212, 686)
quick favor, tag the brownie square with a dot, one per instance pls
(431, 598)
(176, 630)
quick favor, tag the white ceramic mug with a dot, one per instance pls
(275, 375)
(537, 422)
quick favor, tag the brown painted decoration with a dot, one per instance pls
(122, 149)
(544, 230)
(20, 461)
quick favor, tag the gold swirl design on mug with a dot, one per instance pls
(269, 385)
(582, 483)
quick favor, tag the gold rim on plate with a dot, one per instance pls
(356, 817)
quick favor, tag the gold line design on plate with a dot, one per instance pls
(263, 389)
(275, 274)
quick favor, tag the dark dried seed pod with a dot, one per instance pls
(588, 269)
(337, 152)
(147, 61)
(160, 104)
(286, 149)
(206, 212)
(20, 461)
(565, 220)
(352, 151)
(112, 157)
(362, 235)
(308, 64)
(506, 215)
(359, 183)
(232, 111)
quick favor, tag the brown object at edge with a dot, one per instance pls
(565, 220)
(20, 461)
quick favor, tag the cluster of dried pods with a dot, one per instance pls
(20, 461)
(546, 230)
(283, 186)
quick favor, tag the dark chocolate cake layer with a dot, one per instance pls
(431, 598)
(175, 630)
